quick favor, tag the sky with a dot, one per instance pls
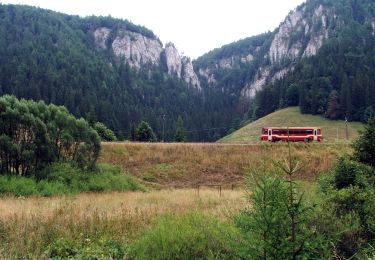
(194, 26)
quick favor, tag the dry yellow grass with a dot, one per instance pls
(187, 165)
(29, 226)
(114, 204)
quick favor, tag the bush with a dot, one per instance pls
(365, 145)
(192, 236)
(104, 132)
(19, 186)
(64, 248)
(65, 178)
(349, 195)
(347, 173)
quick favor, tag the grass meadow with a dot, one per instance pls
(126, 225)
(62, 226)
(173, 165)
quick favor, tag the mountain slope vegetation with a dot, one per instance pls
(55, 57)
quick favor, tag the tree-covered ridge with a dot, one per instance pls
(51, 56)
(240, 48)
(242, 60)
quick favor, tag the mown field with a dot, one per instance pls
(333, 130)
(172, 165)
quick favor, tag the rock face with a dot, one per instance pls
(173, 60)
(180, 66)
(286, 46)
(189, 74)
(260, 80)
(281, 47)
(101, 35)
(138, 50)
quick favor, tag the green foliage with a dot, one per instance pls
(351, 173)
(192, 236)
(63, 248)
(264, 224)
(365, 145)
(278, 225)
(19, 186)
(180, 135)
(104, 132)
(62, 178)
(33, 135)
(145, 133)
(349, 192)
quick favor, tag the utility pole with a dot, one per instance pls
(346, 129)
(163, 125)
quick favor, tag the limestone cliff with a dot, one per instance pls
(139, 50)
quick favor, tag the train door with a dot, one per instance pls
(269, 135)
(315, 135)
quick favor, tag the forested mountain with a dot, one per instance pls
(321, 57)
(109, 69)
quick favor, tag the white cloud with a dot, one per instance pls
(194, 26)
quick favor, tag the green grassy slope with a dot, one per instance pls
(332, 130)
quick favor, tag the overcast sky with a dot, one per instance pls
(194, 26)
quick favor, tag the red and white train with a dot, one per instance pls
(293, 134)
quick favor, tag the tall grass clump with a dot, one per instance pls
(190, 236)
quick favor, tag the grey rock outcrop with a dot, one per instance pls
(138, 50)
(189, 74)
(284, 47)
(173, 60)
(100, 36)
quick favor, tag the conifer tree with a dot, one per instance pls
(145, 133)
(180, 135)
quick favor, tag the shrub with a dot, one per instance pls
(104, 132)
(64, 178)
(64, 248)
(349, 195)
(19, 186)
(347, 173)
(48, 188)
(192, 236)
(364, 146)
